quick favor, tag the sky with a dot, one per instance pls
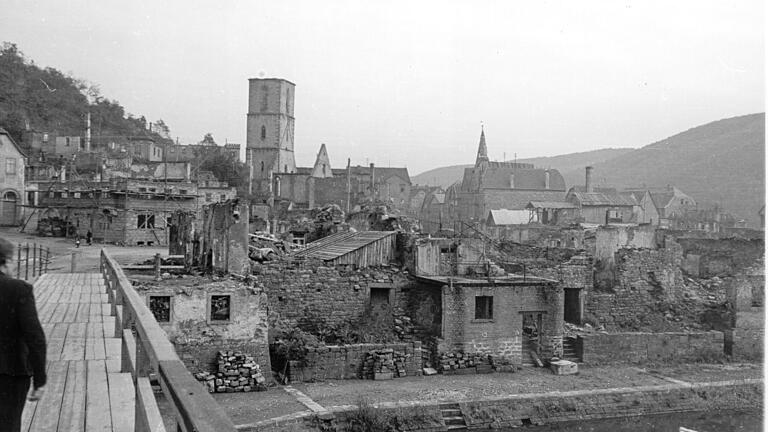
(404, 83)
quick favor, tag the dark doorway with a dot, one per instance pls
(532, 338)
(572, 312)
(380, 301)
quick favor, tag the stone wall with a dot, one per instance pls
(640, 278)
(298, 291)
(605, 348)
(196, 336)
(346, 361)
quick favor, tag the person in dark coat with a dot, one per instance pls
(22, 346)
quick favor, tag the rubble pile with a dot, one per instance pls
(237, 373)
(460, 363)
(265, 247)
(384, 364)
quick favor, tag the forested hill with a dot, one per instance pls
(48, 100)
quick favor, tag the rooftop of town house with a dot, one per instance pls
(493, 281)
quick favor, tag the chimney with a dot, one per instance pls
(373, 180)
(88, 132)
(546, 179)
(588, 184)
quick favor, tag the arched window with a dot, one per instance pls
(263, 132)
(262, 166)
(323, 169)
(285, 168)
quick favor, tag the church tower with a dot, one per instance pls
(269, 134)
(482, 150)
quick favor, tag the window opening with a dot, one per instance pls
(220, 307)
(484, 307)
(160, 306)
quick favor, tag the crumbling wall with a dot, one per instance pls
(224, 238)
(641, 278)
(746, 296)
(338, 295)
(606, 348)
(720, 257)
(196, 337)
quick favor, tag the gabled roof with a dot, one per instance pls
(603, 199)
(322, 167)
(6, 137)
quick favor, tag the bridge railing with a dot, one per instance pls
(145, 349)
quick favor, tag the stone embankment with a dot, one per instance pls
(544, 408)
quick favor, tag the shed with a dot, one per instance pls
(508, 217)
(361, 249)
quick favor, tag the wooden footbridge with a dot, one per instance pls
(104, 347)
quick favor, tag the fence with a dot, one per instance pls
(147, 349)
(39, 260)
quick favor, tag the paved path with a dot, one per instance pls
(85, 389)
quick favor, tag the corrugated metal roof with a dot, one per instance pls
(339, 244)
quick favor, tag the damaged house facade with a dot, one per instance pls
(121, 211)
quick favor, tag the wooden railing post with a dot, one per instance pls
(158, 261)
(73, 266)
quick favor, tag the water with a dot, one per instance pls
(709, 421)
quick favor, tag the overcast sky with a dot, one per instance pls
(409, 83)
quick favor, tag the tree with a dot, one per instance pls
(226, 168)
(208, 140)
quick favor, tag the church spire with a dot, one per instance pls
(482, 150)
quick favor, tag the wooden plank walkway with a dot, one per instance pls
(86, 390)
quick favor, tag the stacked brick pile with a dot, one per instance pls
(237, 373)
(403, 328)
(384, 364)
(463, 363)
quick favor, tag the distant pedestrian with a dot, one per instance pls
(22, 346)
(77, 241)
(89, 237)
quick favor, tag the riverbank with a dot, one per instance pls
(531, 396)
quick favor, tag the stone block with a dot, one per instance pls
(564, 367)
(378, 376)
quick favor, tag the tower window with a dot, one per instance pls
(264, 100)
(263, 132)
(285, 168)
(262, 166)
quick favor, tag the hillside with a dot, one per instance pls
(46, 99)
(445, 176)
(722, 162)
